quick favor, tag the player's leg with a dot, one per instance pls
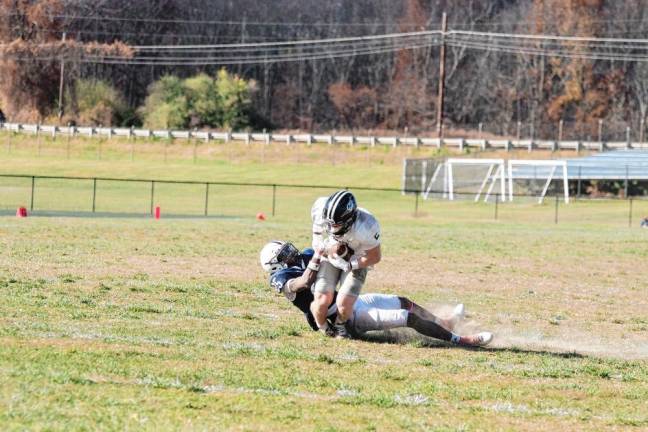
(351, 284)
(432, 328)
(327, 279)
(367, 318)
(448, 323)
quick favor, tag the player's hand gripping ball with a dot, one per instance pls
(340, 250)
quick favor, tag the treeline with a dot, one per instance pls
(389, 91)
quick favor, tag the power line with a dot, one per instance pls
(220, 22)
(583, 47)
(297, 42)
(197, 61)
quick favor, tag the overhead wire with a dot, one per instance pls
(583, 47)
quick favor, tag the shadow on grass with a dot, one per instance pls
(401, 337)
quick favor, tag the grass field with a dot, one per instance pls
(124, 323)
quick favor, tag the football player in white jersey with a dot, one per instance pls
(339, 217)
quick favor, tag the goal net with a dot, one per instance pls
(536, 179)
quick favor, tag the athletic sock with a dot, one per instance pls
(324, 328)
(455, 338)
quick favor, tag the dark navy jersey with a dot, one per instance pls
(303, 298)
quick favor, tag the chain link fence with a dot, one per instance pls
(78, 196)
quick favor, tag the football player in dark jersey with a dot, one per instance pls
(292, 273)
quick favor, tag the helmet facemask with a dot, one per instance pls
(278, 255)
(341, 228)
(288, 254)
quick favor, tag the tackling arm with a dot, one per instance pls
(306, 280)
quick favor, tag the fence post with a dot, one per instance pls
(33, 186)
(496, 205)
(630, 214)
(274, 198)
(579, 182)
(94, 194)
(195, 146)
(560, 131)
(532, 136)
(626, 182)
(206, 199)
(152, 194)
(519, 129)
(642, 130)
(68, 140)
(556, 211)
(416, 204)
(38, 138)
(600, 132)
(627, 137)
(131, 134)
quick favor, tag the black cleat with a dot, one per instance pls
(341, 331)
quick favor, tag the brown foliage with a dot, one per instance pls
(572, 86)
(406, 100)
(355, 106)
(31, 54)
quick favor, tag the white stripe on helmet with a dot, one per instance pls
(336, 200)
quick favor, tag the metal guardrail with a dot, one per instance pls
(372, 141)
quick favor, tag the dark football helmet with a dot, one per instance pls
(340, 212)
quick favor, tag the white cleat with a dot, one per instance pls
(458, 314)
(484, 338)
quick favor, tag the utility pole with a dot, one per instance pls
(444, 29)
(60, 107)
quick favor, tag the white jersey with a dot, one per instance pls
(363, 235)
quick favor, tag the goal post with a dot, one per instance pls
(552, 165)
(495, 172)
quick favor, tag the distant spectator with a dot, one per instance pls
(644, 222)
(2, 117)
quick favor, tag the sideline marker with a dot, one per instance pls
(21, 212)
(157, 212)
(260, 216)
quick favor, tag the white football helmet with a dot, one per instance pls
(276, 254)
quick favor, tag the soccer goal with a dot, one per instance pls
(418, 173)
(465, 177)
(532, 171)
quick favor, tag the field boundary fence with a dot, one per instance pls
(67, 195)
(461, 144)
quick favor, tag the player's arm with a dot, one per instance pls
(308, 277)
(318, 223)
(371, 257)
(373, 254)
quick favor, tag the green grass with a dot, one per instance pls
(129, 323)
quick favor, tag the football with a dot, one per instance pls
(341, 250)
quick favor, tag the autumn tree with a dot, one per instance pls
(407, 101)
(31, 51)
(355, 106)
